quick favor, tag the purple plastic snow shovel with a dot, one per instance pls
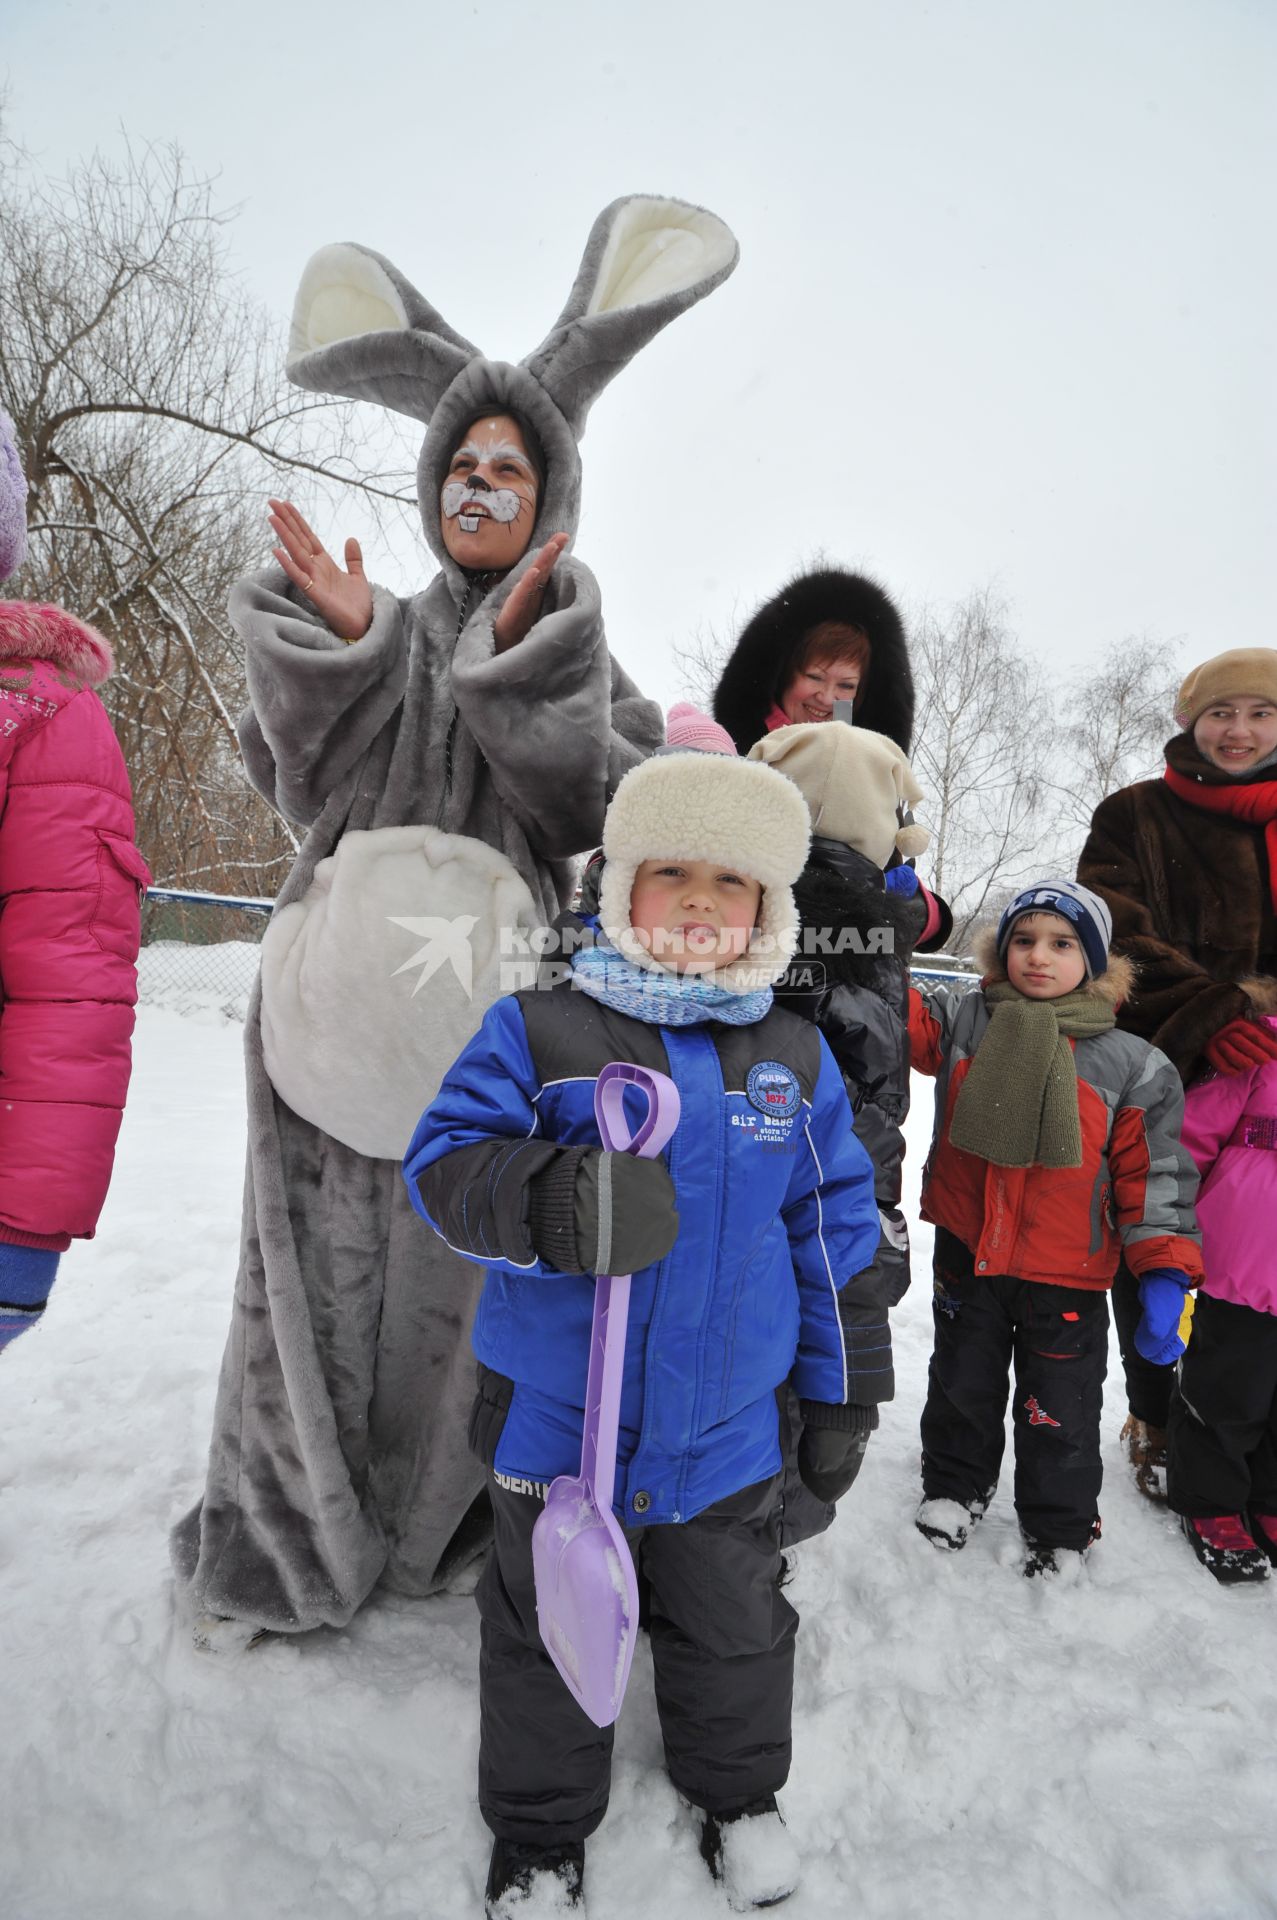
(587, 1592)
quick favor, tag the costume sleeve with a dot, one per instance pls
(1212, 1109)
(70, 881)
(317, 702)
(1176, 1005)
(1153, 1175)
(476, 1149)
(831, 1217)
(556, 719)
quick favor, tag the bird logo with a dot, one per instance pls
(445, 942)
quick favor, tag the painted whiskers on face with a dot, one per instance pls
(488, 500)
(471, 502)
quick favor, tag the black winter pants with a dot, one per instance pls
(1056, 1341)
(1148, 1388)
(1222, 1447)
(722, 1637)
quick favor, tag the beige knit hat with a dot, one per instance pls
(707, 806)
(858, 785)
(1244, 672)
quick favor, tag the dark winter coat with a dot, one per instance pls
(763, 659)
(1191, 897)
(860, 1003)
(776, 1216)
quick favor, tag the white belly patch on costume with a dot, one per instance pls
(374, 981)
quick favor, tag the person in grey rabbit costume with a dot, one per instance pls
(447, 755)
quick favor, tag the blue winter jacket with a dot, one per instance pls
(777, 1215)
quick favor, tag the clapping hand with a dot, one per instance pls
(340, 595)
(523, 608)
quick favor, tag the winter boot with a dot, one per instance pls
(1145, 1450)
(1047, 1560)
(751, 1854)
(1264, 1528)
(948, 1523)
(1041, 1559)
(523, 1877)
(217, 1633)
(1226, 1549)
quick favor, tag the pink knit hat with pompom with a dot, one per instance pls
(688, 727)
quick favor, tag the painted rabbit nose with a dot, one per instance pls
(478, 484)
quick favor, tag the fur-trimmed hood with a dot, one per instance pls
(29, 631)
(1115, 985)
(762, 661)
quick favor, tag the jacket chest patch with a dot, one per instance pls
(773, 1091)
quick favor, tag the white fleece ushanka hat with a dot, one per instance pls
(858, 785)
(708, 806)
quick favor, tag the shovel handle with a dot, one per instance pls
(612, 1291)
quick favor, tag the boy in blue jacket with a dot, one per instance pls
(743, 1240)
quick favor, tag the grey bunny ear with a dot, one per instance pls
(361, 330)
(645, 262)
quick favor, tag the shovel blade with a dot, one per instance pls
(587, 1597)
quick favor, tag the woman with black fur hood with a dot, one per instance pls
(827, 636)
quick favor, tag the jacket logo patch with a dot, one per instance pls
(773, 1088)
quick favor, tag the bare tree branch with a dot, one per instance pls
(152, 418)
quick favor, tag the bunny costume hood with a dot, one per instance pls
(443, 788)
(362, 330)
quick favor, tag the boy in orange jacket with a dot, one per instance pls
(1056, 1148)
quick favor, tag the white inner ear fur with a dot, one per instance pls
(343, 293)
(657, 248)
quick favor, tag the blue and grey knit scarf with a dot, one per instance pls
(662, 999)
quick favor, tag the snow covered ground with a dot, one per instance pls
(967, 1743)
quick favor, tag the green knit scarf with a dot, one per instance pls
(1018, 1103)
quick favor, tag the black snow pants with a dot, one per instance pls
(722, 1636)
(1056, 1341)
(1222, 1447)
(1148, 1388)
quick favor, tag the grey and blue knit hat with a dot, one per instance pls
(1084, 910)
(13, 502)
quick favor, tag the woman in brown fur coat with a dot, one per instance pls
(1188, 866)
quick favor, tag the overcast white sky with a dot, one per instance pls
(1005, 306)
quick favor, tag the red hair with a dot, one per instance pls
(830, 642)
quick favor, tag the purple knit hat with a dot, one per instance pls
(13, 502)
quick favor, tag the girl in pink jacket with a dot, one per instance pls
(1222, 1447)
(70, 880)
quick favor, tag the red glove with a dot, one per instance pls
(1240, 1046)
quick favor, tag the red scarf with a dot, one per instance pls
(1256, 804)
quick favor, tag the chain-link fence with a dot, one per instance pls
(200, 951)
